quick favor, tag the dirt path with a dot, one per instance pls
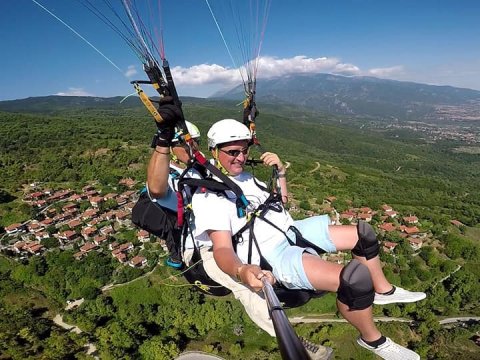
(74, 304)
(112, 286)
(446, 277)
(90, 348)
(59, 321)
(306, 319)
(316, 167)
(303, 319)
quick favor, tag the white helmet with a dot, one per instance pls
(192, 130)
(227, 130)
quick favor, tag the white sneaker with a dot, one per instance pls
(399, 296)
(390, 350)
(317, 352)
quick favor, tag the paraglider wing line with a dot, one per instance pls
(76, 33)
(221, 34)
(145, 34)
(128, 36)
(142, 42)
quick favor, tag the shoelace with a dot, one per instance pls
(309, 345)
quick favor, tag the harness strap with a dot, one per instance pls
(241, 201)
(269, 204)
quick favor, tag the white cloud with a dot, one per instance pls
(131, 70)
(205, 74)
(387, 72)
(268, 67)
(72, 91)
(271, 67)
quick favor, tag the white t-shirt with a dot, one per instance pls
(216, 212)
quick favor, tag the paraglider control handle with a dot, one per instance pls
(141, 82)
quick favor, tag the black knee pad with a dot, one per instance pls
(367, 244)
(356, 286)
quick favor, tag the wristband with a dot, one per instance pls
(281, 175)
(163, 153)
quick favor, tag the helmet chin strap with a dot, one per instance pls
(218, 164)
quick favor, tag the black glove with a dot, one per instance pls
(171, 115)
(163, 137)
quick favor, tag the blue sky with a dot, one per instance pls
(434, 42)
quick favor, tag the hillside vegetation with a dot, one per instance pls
(69, 143)
(82, 143)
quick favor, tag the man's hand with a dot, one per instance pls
(171, 115)
(272, 159)
(251, 275)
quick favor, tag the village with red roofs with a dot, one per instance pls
(97, 227)
(61, 221)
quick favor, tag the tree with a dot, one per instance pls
(305, 205)
(157, 348)
(38, 264)
(59, 346)
(5, 197)
(50, 243)
(90, 292)
(115, 339)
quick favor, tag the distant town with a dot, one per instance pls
(87, 221)
(90, 221)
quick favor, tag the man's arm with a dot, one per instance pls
(272, 159)
(228, 261)
(158, 172)
(158, 167)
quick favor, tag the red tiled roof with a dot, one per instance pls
(387, 227)
(456, 223)
(121, 257)
(391, 213)
(74, 223)
(88, 246)
(410, 219)
(35, 248)
(411, 230)
(88, 230)
(137, 260)
(99, 239)
(415, 241)
(126, 246)
(13, 227)
(390, 245)
(142, 233)
(19, 245)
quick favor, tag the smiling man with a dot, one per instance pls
(267, 242)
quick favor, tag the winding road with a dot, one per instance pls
(112, 286)
(307, 320)
(316, 167)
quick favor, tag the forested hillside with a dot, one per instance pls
(355, 166)
(77, 144)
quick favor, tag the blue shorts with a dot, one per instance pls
(287, 261)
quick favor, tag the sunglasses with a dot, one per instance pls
(235, 153)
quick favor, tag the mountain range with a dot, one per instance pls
(367, 97)
(354, 97)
